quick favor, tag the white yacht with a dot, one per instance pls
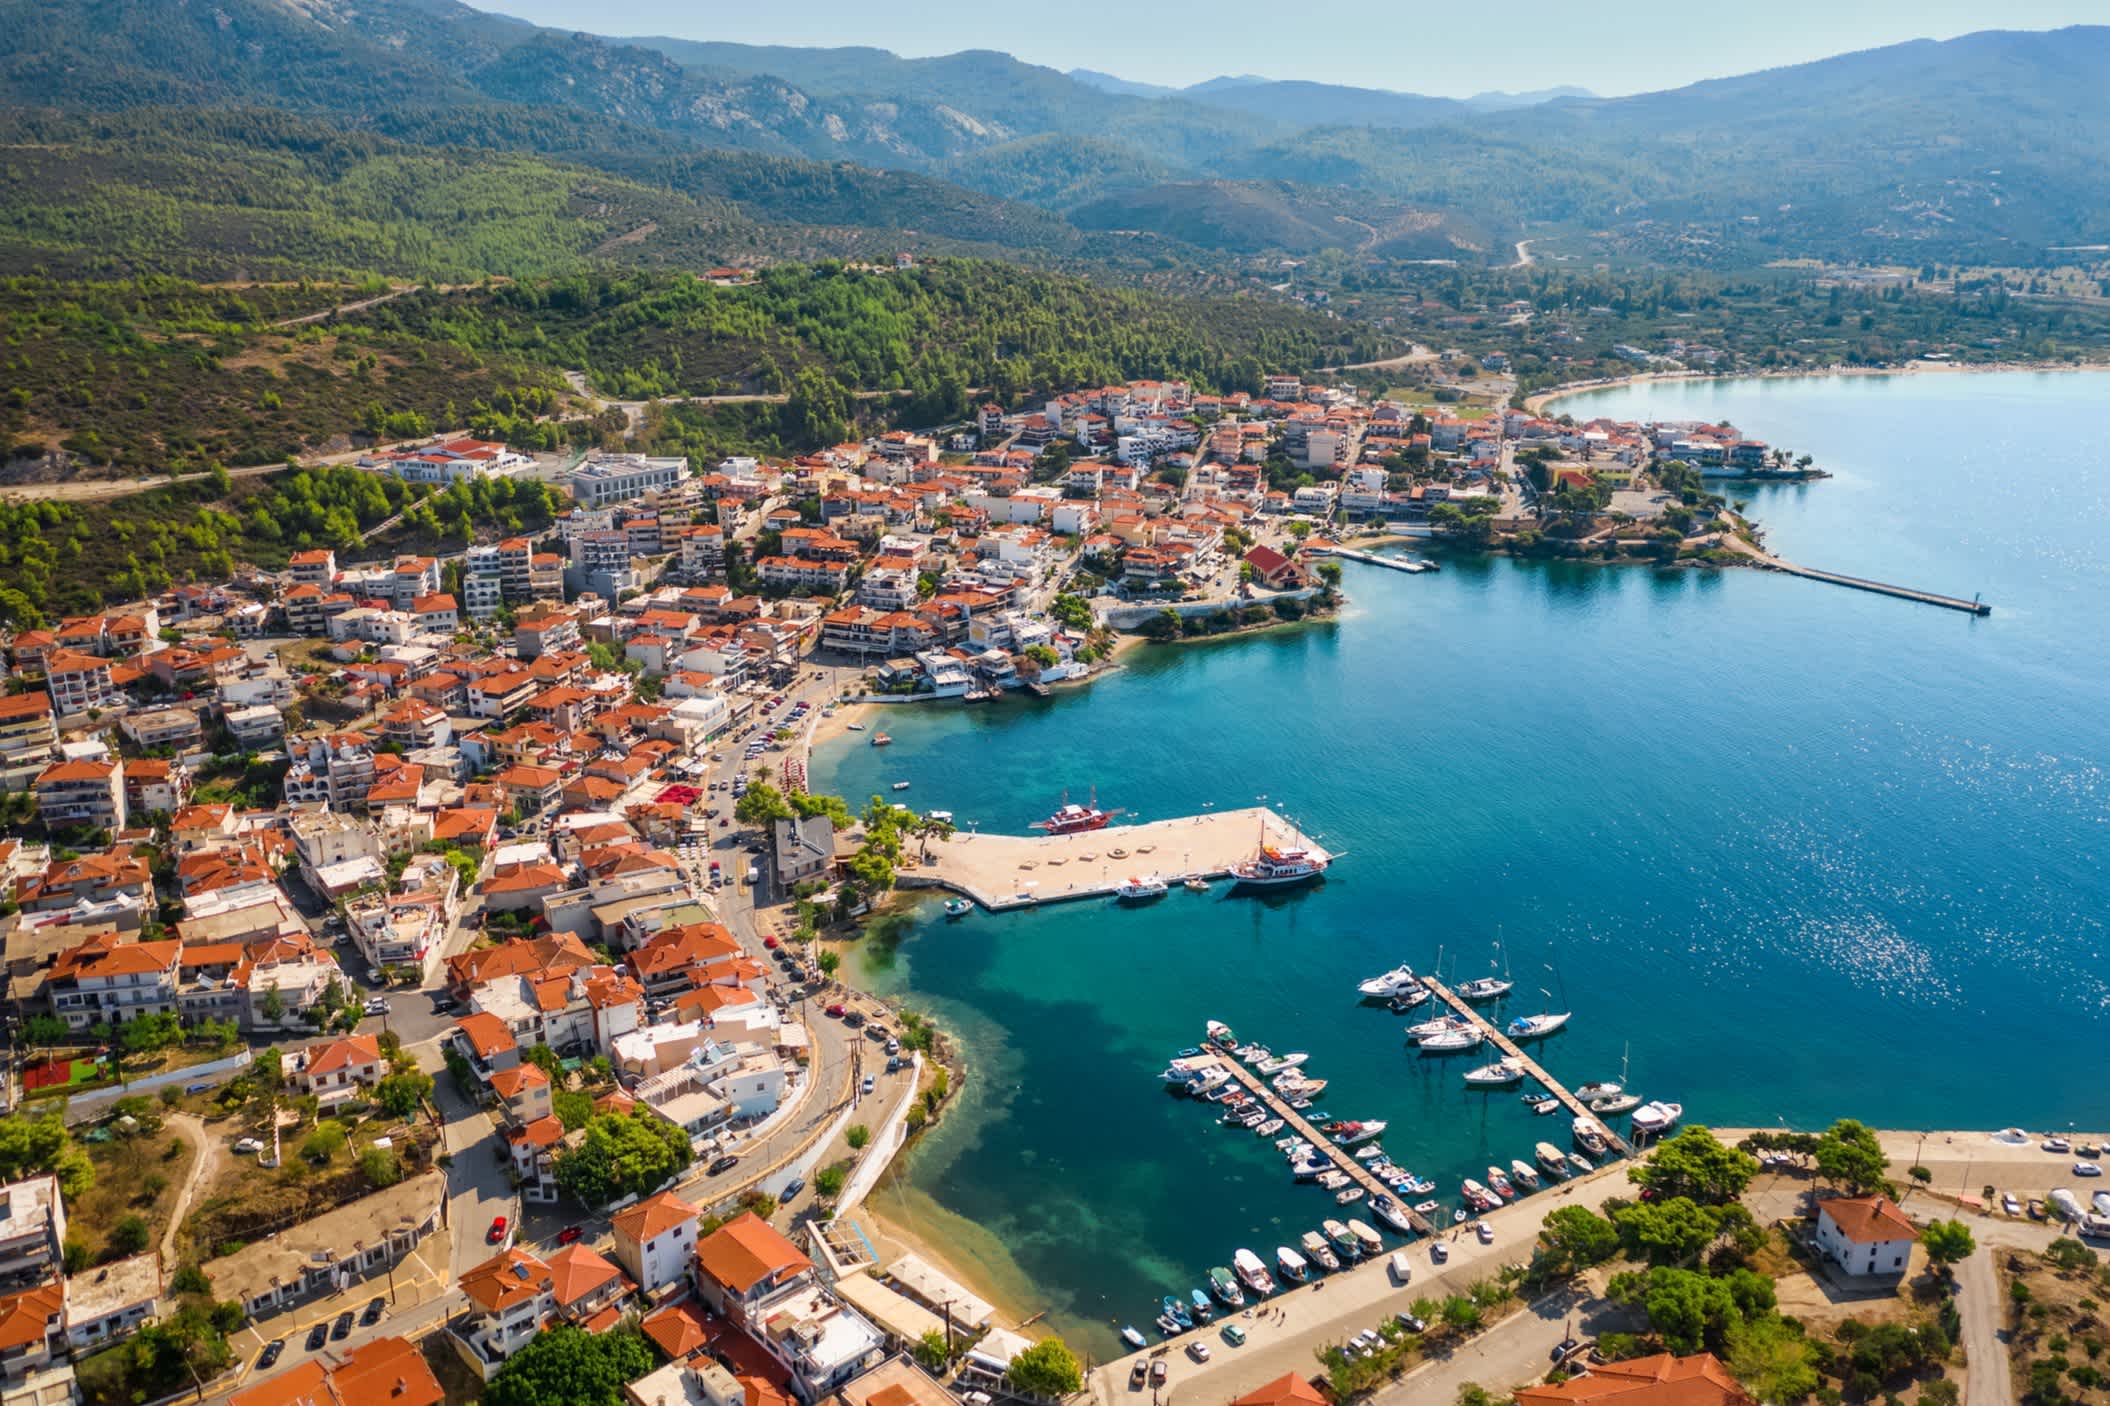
(1454, 1041)
(1657, 1117)
(1499, 1075)
(1441, 1025)
(1485, 988)
(1536, 1027)
(1141, 890)
(1382, 988)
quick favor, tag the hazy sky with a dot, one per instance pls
(1624, 46)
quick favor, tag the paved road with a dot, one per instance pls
(1513, 1353)
(478, 1187)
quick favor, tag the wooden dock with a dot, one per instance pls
(1531, 1066)
(1340, 1156)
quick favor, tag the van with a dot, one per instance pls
(1402, 1267)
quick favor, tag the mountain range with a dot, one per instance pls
(1988, 147)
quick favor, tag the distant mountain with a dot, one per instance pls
(1108, 83)
(1502, 102)
(1224, 83)
(1251, 217)
(1327, 104)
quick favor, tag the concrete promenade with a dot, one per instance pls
(1019, 871)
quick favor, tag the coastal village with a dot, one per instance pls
(412, 960)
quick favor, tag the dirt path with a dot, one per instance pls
(394, 292)
(208, 1159)
(1984, 1345)
(1414, 355)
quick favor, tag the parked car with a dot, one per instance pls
(270, 1354)
(2087, 1169)
(722, 1164)
(1234, 1335)
(497, 1232)
(2009, 1204)
(2087, 1149)
(769, 942)
(372, 1313)
(317, 1336)
(1411, 1323)
(248, 1144)
(1486, 1233)
(377, 1006)
(1198, 1350)
(1566, 1347)
(870, 1083)
(836, 1010)
(2057, 1144)
(792, 1188)
(1158, 1372)
(1138, 1375)
(570, 1235)
(1438, 1251)
(343, 1326)
(853, 1019)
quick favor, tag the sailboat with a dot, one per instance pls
(1490, 987)
(1605, 1088)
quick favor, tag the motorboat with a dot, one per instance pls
(1269, 1128)
(1589, 1135)
(1348, 1195)
(901, 785)
(1253, 1053)
(880, 739)
(1310, 1168)
(1479, 1197)
(1603, 1088)
(957, 907)
(1318, 1251)
(1454, 1041)
(1612, 1105)
(1580, 1163)
(1349, 1133)
(1343, 1239)
(1196, 884)
(1552, 1159)
(1252, 1273)
(1371, 1152)
(1381, 988)
(1543, 1104)
(1268, 1068)
(1141, 890)
(1176, 1310)
(1185, 1070)
(1440, 1025)
(1129, 1334)
(1498, 1181)
(1199, 1305)
(1657, 1117)
(1391, 1213)
(860, 727)
(1370, 1241)
(1224, 1285)
(1524, 1173)
(1334, 1179)
(1536, 1027)
(1425, 1208)
(1485, 988)
(1304, 1089)
(1168, 1325)
(1220, 1034)
(1499, 1075)
(1291, 1265)
(1407, 1000)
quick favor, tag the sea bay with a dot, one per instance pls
(1807, 853)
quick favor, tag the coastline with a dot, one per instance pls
(1537, 401)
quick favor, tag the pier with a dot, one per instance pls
(1411, 567)
(1340, 1156)
(1973, 606)
(1530, 1066)
(1002, 872)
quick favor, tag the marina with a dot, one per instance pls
(1514, 1055)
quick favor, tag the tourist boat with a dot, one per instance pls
(1479, 1197)
(1498, 1180)
(1224, 1285)
(1453, 1041)
(1142, 890)
(1269, 1128)
(1485, 988)
(1612, 1105)
(880, 739)
(1348, 1133)
(1271, 1067)
(1407, 1000)
(1657, 1117)
(1379, 988)
(1552, 1159)
(957, 907)
(1252, 1273)
(1343, 1239)
(1589, 1135)
(1278, 867)
(901, 785)
(1369, 1240)
(1318, 1251)
(1220, 1034)
(1348, 1196)
(1525, 1175)
(1392, 1213)
(1073, 819)
(1438, 1026)
(1499, 1075)
(1535, 1027)
(1129, 1334)
(1291, 1265)
(1196, 884)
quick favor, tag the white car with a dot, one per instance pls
(1486, 1233)
(2009, 1204)
(248, 1144)
(2087, 1169)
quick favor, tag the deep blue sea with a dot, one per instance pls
(1804, 852)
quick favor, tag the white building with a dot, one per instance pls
(654, 1240)
(1865, 1235)
(618, 478)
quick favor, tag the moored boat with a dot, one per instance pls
(1484, 988)
(1348, 1195)
(1142, 889)
(1498, 1180)
(1349, 1132)
(1523, 1172)
(1343, 1239)
(1440, 1025)
(1392, 1213)
(1318, 1251)
(1390, 984)
(1499, 1075)
(1252, 1273)
(1199, 1304)
(957, 907)
(1279, 866)
(1612, 1105)
(1589, 1135)
(1272, 1067)
(1269, 1128)
(1552, 1159)
(1073, 819)
(1454, 1041)
(1176, 1310)
(1291, 1264)
(901, 785)
(880, 739)
(1224, 1285)
(1220, 1034)
(1536, 1027)
(1196, 884)
(1371, 1242)
(1602, 1088)
(1129, 1334)
(1479, 1197)
(1407, 1000)
(1657, 1117)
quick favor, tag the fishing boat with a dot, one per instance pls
(1370, 1241)
(1380, 988)
(1454, 1041)
(1291, 1265)
(1526, 1175)
(1498, 1181)
(1252, 1273)
(1220, 1034)
(901, 785)
(1499, 1075)
(1343, 1239)
(957, 907)
(1407, 1000)
(1277, 866)
(1442, 1024)
(1348, 1195)
(1426, 1208)
(1348, 1133)
(1612, 1105)
(1269, 1128)
(1224, 1285)
(1177, 1311)
(1271, 1067)
(1318, 1251)
(1484, 988)
(1536, 1027)
(880, 739)
(1199, 1305)
(1589, 1135)
(1657, 1117)
(1552, 1159)
(1479, 1197)
(1196, 884)
(1129, 1334)
(1142, 889)
(1071, 819)
(1392, 1213)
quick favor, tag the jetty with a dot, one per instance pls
(1973, 606)
(1411, 566)
(1340, 1156)
(1530, 1066)
(1002, 872)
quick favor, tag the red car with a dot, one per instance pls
(770, 943)
(836, 1010)
(571, 1234)
(497, 1232)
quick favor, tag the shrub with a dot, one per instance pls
(857, 1135)
(130, 1235)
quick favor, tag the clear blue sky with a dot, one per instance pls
(1625, 46)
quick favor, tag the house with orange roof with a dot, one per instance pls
(106, 980)
(27, 732)
(533, 1146)
(1658, 1380)
(335, 1070)
(84, 793)
(32, 1328)
(655, 1240)
(523, 1093)
(92, 879)
(760, 1281)
(1289, 1389)
(487, 1044)
(586, 1287)
(1866, 1235)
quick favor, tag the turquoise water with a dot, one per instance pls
(1809, 852)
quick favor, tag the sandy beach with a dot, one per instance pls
(829, 726)
(1536, 403)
